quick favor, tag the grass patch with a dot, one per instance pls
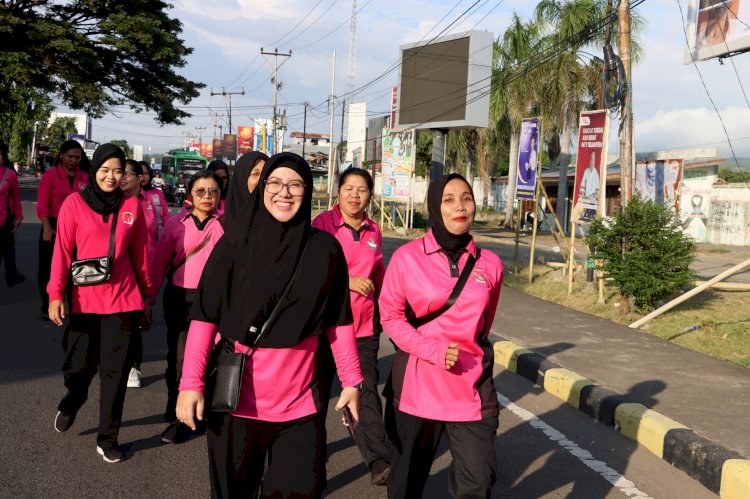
(718, 250)
(723, 316)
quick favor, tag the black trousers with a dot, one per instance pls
(8, 250)
(99, 342)
(415, 441)
(237, 451)
(370, 435)
(45, 263)
(177, 303)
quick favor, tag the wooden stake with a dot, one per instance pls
(572, 259)
(533, 234)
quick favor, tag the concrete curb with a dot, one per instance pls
(717, 468)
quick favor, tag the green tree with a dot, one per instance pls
(17, 119)
(424, 154)
(94, 54)
(644, 251)
(123, 144)
(57, 133)
(731, 176)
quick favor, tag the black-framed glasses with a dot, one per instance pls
(130, 174)
(201, 192)
(295, 187)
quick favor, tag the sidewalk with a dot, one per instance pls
(709, 396)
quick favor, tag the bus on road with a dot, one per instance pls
(179, 161)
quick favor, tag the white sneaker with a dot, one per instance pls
(134, 378)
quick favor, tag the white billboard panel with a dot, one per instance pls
(717, 28)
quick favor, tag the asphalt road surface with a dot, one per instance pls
(545, 448)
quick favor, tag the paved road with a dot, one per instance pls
(545, 448)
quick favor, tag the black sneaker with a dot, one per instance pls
(379, 472)
(110, 454)
(176, 433)
(63, 421)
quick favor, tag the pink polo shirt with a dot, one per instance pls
(149, 215)
(364, 257)
(81, 228)
(161, 208)
(54, 187)
(421, 274)
(180, 238)
(9, 195)
(278, 384)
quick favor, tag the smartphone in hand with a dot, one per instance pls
(349, 421)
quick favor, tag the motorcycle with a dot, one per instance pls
(180, 194)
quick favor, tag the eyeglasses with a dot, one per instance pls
(295, 187)
(130, 174)
(203, 191)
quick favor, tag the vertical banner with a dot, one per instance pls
(591, 166)
(528, 153)
(229, 146)
(394, 106)
(398, 164)
(207, 150)
(245, 139)
(659, 181)
(217, 148)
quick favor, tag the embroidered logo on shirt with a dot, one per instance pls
(128, 218)
(480, 276)
(372, 243)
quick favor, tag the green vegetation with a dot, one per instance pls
(644, 251)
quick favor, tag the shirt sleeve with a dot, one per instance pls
(489, 313)
(65, 242)
(139, 253)
(392, 305)
(378, 272)
(44, 197)
(200, 340)
(345, 354)
(163, 256)
(15, 197)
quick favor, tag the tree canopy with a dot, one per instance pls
(94, 54)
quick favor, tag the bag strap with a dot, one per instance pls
(112, 233)
(420, 321)
(5, 177)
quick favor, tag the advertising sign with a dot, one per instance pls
(245, 140)
(229, 146)
(659, 181)
(394, 105)
(528, 152)
(207, 150)
(217, 147)
(399, 157)
(591, 166)
(717, 28)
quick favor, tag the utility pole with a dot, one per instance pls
(304, 130)
(229, 94)
(200, 129)
(626, 117)
(330, 138)
(276, 67)
(341, 141)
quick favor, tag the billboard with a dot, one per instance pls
(357, 133)
(264, 138)
(245, 139)
(591, 166)
(207, 150)
(528, 152)
(399, 155)
(217, 147)
(445, 83)
(229, 146)
(659, 181)
(717, 28)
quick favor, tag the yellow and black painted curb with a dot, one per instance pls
(717, 468)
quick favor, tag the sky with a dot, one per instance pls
(671, 107)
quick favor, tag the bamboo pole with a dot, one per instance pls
(689, 294)
(518, 234)
(572, 259)
(564, 243)
(533, 234)
(726, 286)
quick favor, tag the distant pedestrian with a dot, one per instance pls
(11, 215)
(441, 380)
(246, 175)
(57, 183)
(104, 316)
(278, 415)
(181, 254)
(362, 242)
(222, 171)
(161, 208)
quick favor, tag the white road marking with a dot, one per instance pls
(612, 476)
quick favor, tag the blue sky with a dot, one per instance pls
(671, 108)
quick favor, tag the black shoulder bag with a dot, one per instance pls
(226, 366)
(90, 271)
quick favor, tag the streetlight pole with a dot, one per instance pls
(276, 67)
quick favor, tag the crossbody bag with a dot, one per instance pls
(90, 271)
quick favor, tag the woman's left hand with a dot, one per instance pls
(349, 397)
(16, 223)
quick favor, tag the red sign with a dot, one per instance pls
(230, 146)
(217, 149)
(591, 166)
(245, 139)
(394, 106)
(207, 150)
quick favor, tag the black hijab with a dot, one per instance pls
(102, 202)
(238, 195)
(246, 274)
(452, 244)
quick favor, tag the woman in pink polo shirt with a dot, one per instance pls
(11, 215)
(161, 208)
(244, 280)
(181, 253)
(441, 379)
(361, 240)
(103, 317)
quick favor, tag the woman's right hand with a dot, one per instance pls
(56, 312)
(451, 356)
(190, 407)
(47, 233)
(361, 285)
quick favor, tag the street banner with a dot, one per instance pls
(245, 140)
(217, 148)
(207, 150)
(717, 28)
(528, 154)
(394, 106)
(229, 146)
(591, 166)
(398, 164)
(659, 181)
